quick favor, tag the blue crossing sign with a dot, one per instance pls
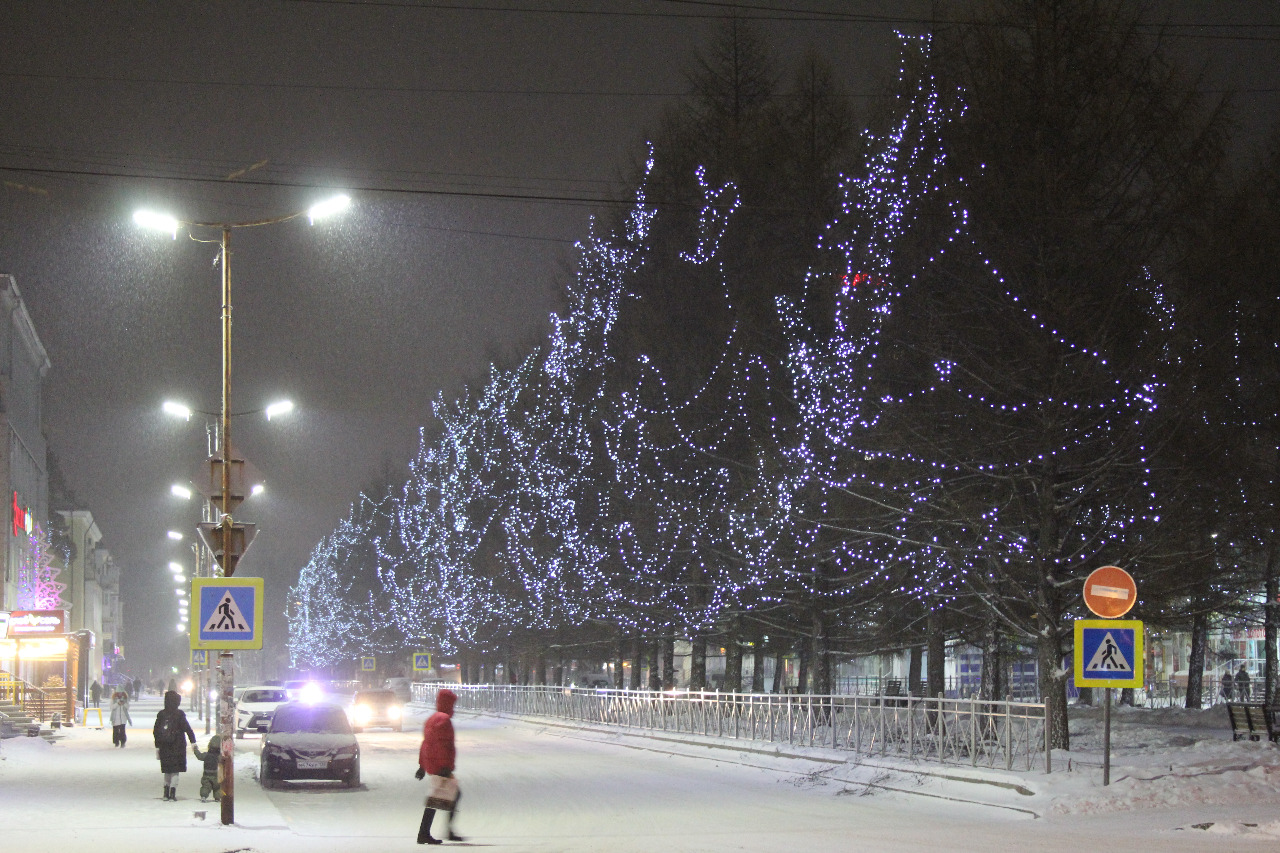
(228, 613)
(421, 661)
(368, 664)
(1108, 653)
(199, 657)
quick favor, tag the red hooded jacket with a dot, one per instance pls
(436, 755)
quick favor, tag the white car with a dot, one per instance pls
(256, 706)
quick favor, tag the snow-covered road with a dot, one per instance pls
(535, 787)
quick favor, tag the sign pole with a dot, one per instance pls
(1106, 738)
(225, 729)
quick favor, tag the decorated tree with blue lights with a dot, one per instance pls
(1081, 154)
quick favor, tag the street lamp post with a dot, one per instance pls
(227, 528)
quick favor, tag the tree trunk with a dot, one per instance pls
(1126, 696)
(1195, 662)
(655, 661)
(779, 669)
(668, 664)
(1053, 685)
(1086, 696)
(936, 677)
(698, 662)
(806, 660)
(821, 657)
(915, 685)
(619, 664)
(757, 667)
(733, 657)
(1271, 627)
(990, 686)
(637, 663)
(540, 675)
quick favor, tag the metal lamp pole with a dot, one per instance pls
(226, 660)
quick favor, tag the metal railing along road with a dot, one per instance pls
(979, 733)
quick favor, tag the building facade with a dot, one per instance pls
(23, 460)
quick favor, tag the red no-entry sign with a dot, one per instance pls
(1110, 592)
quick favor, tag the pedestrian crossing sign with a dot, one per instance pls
(1108, 653)
(228, 613)
(421, 661)
(199, 658)
(368, 664)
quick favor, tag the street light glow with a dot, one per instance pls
(175, 567)
(157, 222)
(283, 407)
(328, 207)
(177, 410)
(175, 536)
(180, 491)
(257, 489)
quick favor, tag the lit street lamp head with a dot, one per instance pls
(157, 222)
(177, 410)
(328, 207)
(180, 492)
(283, 407)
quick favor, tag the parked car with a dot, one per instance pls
(309, 741)
(371, 709)
(255, 706)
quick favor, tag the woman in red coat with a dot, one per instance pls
(436, 758)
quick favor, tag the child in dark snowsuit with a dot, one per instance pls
(209, 779)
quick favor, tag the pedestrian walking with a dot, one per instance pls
(209, 781)
(119, 718)
(137, 688)
(1242, 684)
(170, 729)
(436, 757)
(95, 693)
(1226, 688)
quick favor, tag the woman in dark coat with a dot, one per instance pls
(170, 731)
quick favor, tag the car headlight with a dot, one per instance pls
(393, 712)
(363, 713)
(347, 750)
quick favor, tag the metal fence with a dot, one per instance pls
(1009, 735)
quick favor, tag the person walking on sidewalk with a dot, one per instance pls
(170, 729)
(119, 718)
(436, 758)
(95, 693)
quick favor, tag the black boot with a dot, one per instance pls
(165, 795)
(173, 794)
(424, 831)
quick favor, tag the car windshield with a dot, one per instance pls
(265, 696)
(316, 719)
(376, 697)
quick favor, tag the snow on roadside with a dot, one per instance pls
(1164, 758)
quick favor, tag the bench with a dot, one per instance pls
(893, 690)
(1252, 721)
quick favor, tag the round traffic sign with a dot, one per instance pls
(1110, 591)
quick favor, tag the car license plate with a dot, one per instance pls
(312, 763)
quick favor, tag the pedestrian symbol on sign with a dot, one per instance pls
(226, 617)
(1108, 658)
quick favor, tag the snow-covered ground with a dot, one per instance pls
(1178, 783)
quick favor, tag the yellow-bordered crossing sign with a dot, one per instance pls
(1108, 653)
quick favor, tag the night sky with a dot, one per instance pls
(476, 140)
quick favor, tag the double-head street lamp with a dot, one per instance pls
(233, 536)
(171, 225)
